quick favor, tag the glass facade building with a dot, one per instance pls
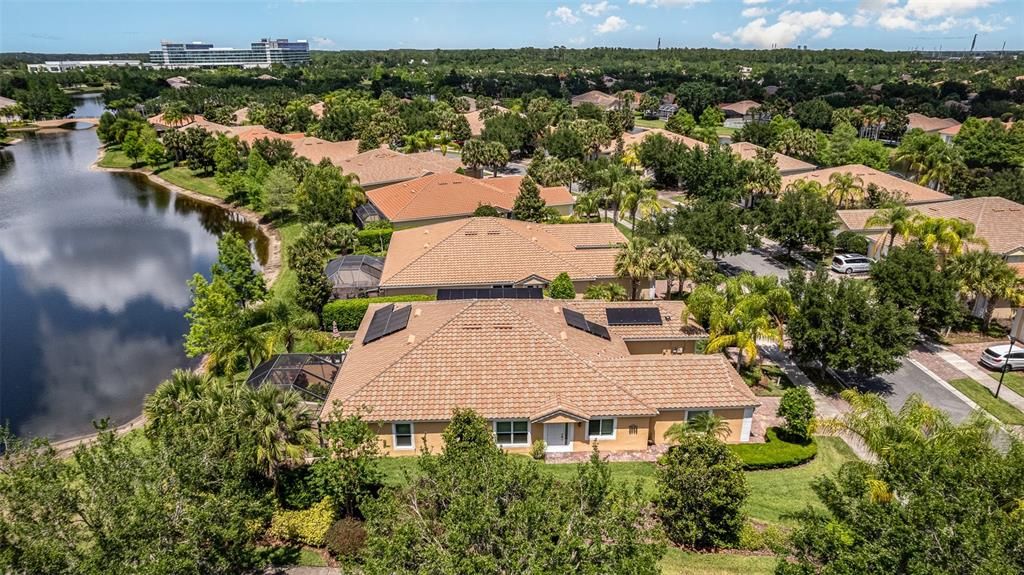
(260, 54)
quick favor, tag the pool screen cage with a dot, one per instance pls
(308, 374)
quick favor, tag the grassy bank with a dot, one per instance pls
(993, 405)
(186, 178)
(1014, 381)
(679, 562)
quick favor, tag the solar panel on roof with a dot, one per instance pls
(633, 315)
(378, 324)
(599, 330)
(445, 294)
(399, 320)
(575, 319)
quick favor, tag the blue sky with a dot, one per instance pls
(119, 26)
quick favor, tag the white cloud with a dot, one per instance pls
(924, 15)
(789, 26)
(597, 8)
(755, 12)
(641, 2)
(723, 38)
(681, 3)
(752, 2)
(322, 42)
(929, 9)
(564, 13)
(861, 19)
(611, 24)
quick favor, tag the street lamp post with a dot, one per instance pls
(1006, 364)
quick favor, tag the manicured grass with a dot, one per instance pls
(289, 557)
(113, 157)
(640, 122)
(679, 562)
(1014, 381)
(993, 405)
(775, 453)
(186, 178)
(723, 131)
(287, 282)
(773, 493)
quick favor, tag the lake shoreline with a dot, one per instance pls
(271, 269)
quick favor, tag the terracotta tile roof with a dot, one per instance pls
(929, 124)
(476, 124)
(384, 166)
(675, 318)
(749, 151)
(454, 195)
(241, 115)
(500, 251)
(742, 107)
(158, 120)
(915, 194)
(517, 359)
(996, 220)
(628, 139)
(595, 97)
(316, 149)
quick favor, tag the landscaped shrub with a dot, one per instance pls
(851, 243)
(797, 408)
(766, 538)
(346, 538)
(307, 526)
(294, 488)
(538, 449)
(701, 490)
(376, 240)
(774, 453)
(348, 313)
(561, 287)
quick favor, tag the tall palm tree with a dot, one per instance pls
(764, 178)
(281, 427)
(754, 308)
(635, 260)
(587, 205)
(983, 275)
(843, 186)
(677, 259)
(610, 187)
(939, 166)
(175, 395)
(897, 218)
(637, 196)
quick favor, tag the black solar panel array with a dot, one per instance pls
(387, 321)
(575, 319)
(490, 293)
(633, 315)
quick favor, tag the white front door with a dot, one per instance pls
(558, 436)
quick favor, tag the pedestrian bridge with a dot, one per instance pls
(68, 123)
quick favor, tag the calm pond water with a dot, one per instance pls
(93, 268)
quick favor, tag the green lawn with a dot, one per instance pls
(773, 493)
(113, 157)
(186, 178)
(642, 123)
(723, 131)
(289, 556)
(679, 562)
(1014, 381)
(983, 397)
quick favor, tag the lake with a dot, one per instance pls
(93, 271)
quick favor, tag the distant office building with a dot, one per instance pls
(57, 66)
(260, 54)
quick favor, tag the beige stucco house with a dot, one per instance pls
(539, 370)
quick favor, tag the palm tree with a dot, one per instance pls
(635, 260)
(281, 427)
(939, 166)
(287, 323)
(764, 178)
(677, 259)
(843, 186)
(611, 188)
(631, 158)
(421, 141)
(754, 308)
(607, 291)
(947, 236)
(637, 196)
(173, 396)
(706, 423)
(587, 205)
(897, 218)
(983, 275)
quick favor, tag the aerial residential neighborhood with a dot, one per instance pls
(644, 286)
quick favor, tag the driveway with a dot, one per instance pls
(909, 379)
(754, 260)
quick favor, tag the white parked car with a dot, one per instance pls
(851, 263)
(996, 356)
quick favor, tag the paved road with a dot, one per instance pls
(909, 379)
(753, 260)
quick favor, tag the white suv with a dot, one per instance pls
(851, 263)
(996, 356)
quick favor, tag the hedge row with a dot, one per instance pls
(774, 453)
(376, 240)
(348, 313)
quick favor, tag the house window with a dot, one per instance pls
(693, 413)
(402, 435)
(601, 428)
(512, 432)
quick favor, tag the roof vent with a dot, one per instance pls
(533, 238)
(562, 335)
(426, 245)
(418, 312)
(412, 339)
